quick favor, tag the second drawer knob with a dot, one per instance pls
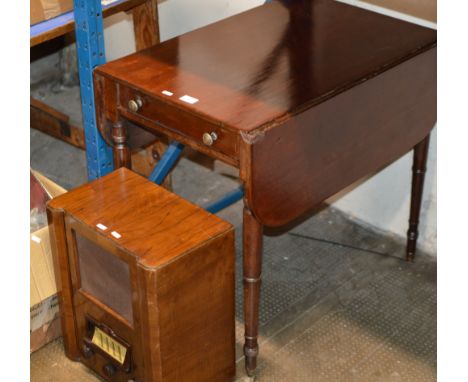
(209, 138)
(135, 104)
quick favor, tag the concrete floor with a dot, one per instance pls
(338, 303)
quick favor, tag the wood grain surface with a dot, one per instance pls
(132, 206)
(332, 145)
(172, 301)
(256, 67)
(55, 123)
(146, 24)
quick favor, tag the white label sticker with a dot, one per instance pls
(36, 239)
(107, 2)
(189, 99)
(101, 226)
(116, 234)
(167, 92)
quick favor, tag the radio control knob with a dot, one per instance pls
(109, 370)
(87, 351)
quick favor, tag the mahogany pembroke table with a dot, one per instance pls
(304, 97)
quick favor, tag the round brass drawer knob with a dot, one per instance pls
(135, 104)
(209, 138)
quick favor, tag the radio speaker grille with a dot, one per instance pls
(105, 277)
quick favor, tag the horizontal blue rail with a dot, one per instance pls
(226, 200)
(168, 160)
(48, 25)
(170, 156)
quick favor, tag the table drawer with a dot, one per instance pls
(170, 117)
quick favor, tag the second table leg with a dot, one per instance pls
(419, 170)
(252, 266)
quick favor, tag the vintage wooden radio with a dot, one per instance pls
(146, 282)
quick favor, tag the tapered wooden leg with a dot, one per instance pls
(122, 157)
(419, 170)
(252, 252)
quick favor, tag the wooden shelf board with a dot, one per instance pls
(60, 25)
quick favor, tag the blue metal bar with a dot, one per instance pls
(166, 163)
(60, 21)
(226, 200)
(48, 25)
(90, 52)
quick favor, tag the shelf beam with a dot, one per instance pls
(65, 23)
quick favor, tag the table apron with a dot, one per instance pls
(179, 123)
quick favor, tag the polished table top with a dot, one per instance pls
(257, 67)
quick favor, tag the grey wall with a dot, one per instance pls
(382, 200)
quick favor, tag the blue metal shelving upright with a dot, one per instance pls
(91, 53)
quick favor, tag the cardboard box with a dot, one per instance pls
(41, 10)
(44, 312)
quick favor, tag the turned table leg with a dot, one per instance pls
(419, 170)
(122, 157)
(252, 252)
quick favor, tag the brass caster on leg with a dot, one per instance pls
(412, 236)
(250, 360)
(250, 374)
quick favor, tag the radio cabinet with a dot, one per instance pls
(146, 282)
